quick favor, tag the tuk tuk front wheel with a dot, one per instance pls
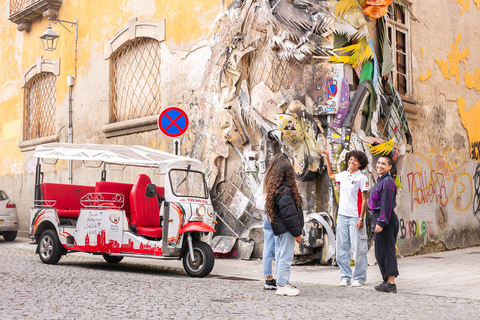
(49, 248)
(204, 260)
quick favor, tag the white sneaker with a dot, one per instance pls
(344, 283)
(357, 283)
(287, 290)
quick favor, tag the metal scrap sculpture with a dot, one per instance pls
(293, 76)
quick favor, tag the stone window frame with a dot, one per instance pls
(40, 66)
(394, 27)
(132, 30)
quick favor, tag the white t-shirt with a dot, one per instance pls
(351, 188)
(259, 198)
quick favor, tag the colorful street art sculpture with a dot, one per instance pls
(299, 77)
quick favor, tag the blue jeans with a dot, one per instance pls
(285, 253)
(270, 246)
(348, 236)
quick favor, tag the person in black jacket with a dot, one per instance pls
(284, 210)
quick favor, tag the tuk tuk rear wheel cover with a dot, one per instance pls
(49, 247)
(204, 260)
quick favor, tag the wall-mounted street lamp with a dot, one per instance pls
(50, 38)
(49, 43)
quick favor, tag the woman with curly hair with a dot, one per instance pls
(284, 210)
(350, 222)
(270, 242)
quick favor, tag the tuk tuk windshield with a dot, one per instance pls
(188, 183)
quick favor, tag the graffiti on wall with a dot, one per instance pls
(476, 197)
(475, 152)
(439, 179)
(450, 68)
(415, 228)
(11, 167)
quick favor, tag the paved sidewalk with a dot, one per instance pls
(453, 274)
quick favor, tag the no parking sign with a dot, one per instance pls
(173, 122)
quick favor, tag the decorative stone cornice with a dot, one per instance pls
(29, 145)
(131, 126)
(40, 65)
(135, 29)
(24, 12)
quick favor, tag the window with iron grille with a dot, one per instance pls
(136, 80)
(267, 67)
(39, 115)
(398, 31)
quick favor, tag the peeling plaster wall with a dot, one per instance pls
(184, 55)
(438, 207)
(438, 202)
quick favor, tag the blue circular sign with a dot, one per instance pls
(173, 122)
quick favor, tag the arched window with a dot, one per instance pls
(136, 80)
(39, 112)
(134, 52)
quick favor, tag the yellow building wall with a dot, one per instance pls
(187, 22)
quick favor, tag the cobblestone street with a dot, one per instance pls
(86, 287)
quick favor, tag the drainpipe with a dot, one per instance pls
(70, 80)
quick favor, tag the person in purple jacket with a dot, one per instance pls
(382, 201)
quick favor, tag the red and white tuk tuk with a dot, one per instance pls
(170, 220)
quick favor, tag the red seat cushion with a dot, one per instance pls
(68, 213)
(66, 196)
(144, 210)
(153, 232)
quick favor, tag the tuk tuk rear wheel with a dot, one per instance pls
(204, 260)
(112, 259)
(49, 247)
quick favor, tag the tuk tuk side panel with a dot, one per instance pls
(133, 244)
(176, 219)
(96, 231)
(39, 216)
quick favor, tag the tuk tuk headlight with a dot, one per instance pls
(201, 210)
(199, 213)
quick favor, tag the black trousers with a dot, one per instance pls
(385, 247)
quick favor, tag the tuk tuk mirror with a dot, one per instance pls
(151, 190)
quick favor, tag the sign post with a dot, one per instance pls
(173, 122)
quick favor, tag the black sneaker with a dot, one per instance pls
(386, 287)
(270, 285)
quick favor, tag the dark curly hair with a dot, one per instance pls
(360, 156)
(276, 160)
(281, 173)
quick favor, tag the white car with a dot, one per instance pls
(8, 217)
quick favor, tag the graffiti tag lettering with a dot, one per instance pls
(440, 178)
(476, 198)
(415, 228)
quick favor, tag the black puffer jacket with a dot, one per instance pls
(287, 217)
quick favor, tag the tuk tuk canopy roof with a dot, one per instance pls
(130, 155)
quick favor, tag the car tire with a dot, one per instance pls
(10, 235)
(204, 260)
(112, 259)
(49, 247)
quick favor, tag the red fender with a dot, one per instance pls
(196, 226)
